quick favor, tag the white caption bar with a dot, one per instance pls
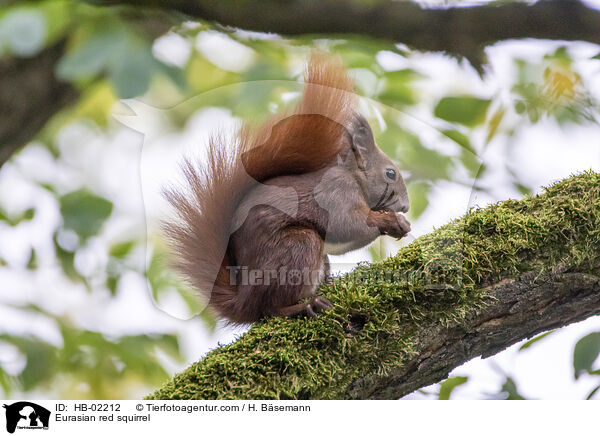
(296, 417)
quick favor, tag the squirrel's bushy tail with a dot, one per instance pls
(305, 140)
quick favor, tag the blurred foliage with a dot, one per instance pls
(12, 220)
(553, 88)
(509, 390)
(534, 340)
(469, 111)
(112, 54)
(448, 385)
(585, 354)
(84, 213)
(88, 364)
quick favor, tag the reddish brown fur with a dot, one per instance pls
(304, 141)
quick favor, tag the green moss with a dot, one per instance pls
(379, 307)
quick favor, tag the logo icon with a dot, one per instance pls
(26, 415)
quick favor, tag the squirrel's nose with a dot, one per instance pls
(403, 202)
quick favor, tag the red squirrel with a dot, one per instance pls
(254, 226)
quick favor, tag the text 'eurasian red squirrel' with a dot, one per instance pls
(255, 224)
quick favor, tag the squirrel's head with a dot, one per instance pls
(377, 175)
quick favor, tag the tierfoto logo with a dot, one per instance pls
(26, 415)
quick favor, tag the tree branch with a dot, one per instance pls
(30, 95)
(471, 288)
(524, 307)
(458, 30)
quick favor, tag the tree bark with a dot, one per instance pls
(471, 288)
(524, 307)
(30, 95)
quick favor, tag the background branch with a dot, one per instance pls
(457, 30)
(30, 95)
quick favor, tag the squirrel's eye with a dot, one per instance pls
(390, 174)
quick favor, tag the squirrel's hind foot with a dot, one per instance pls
(310, 308)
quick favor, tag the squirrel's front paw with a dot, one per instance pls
(390, 223)
(403, 225)
(398, 225)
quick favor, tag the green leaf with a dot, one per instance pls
(67, 261)
(468, 155)
(447, 386)
(84, 212)
(58, 16)
(111, 284)
(130, 72)
(468, 111)
(494, 123)
(510, 387)
(158, 275)
(126, 57)
(471, 163)
(585, 353)
(592, 393)
(460, 138)
(90, 57)
(28, 214)
(121, 249)
(32, 263)
(358, 51)
(520, 107)
(524, 190)
(562, 55)
(423, 162)
(15, 220)
(40, 359)
(6, 382)
(398, 87)
(530, 342)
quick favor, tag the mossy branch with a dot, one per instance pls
(471, 288)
